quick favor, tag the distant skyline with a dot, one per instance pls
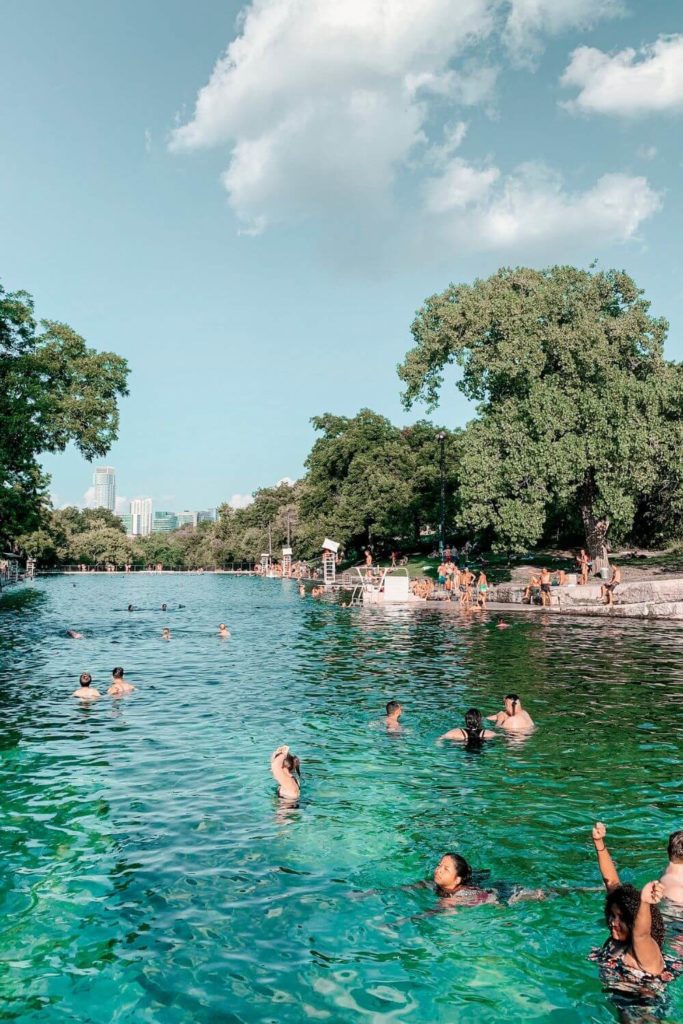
(251, 217)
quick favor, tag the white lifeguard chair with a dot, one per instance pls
(286, 562)
(266, 564)
(330, 549)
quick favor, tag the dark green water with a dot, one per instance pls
(148, 874)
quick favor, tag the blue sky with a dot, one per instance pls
(254, 235)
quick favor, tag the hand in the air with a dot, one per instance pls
(652, 893)
(599, 831)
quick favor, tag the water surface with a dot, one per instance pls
(149, 875)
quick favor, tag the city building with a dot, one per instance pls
(141, 515)
(127, 520)
(104, 480)
(186, 518)
(208, 516)
(164, 522)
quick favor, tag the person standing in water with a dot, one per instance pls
(119, 686)
(473, 733)
(85, 691)
(166, 634)
(513, 718)
(394, 712)
(286, 770)
(223, 631)
(672, 879)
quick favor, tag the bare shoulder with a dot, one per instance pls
(453, 734)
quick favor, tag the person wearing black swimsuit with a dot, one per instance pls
(473, 734)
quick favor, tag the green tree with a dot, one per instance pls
(53, 390)
(577, 404)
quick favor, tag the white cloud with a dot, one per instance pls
(89, 498)
(322, 103)
(240, 500)
(629, 83)
(528, 20)
(285, 480)
(647, 152)
(459, 186)
(532, 209)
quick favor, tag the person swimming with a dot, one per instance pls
(454, 884)
(119, 685)
(164, 607)
(74, 634)
(502, 624)
(394, 712)
(85, 691)
(513, 718)
(166, 634)
(131, 608)
(223, 631)
(672, 879)
(286, 770)
(473, 734)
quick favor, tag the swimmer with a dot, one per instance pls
(473, 734)
(302, 590)
(74, 635)
(514, 718)
(672, 879)
(164, 607)
(166, 634)
(394, 712)
(223, 631)
(119, 686)
(286, 769)
(453, 881)
(131, 608)
(633, 951)
(85, 691)
(501, 624)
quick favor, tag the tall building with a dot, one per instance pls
(127, 520)
(104, 479)
(186, 518)
(209, 516)
(164, 522)
(141, 515)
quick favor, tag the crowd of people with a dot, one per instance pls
(632, 960)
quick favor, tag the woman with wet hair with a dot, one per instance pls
(513, 717)
(473, 734)
(454, 883)
(632, 955)
(286, 770)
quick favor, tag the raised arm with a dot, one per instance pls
(645, 948)
(277, 768)
(605, 862)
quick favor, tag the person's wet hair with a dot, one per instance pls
(292, 762)
(392, 707)
(117, 673)
(675, 848)
(514, 698)
(626, 899)
(473, 727)
(85, 679)
(462, 868)
(164, 607)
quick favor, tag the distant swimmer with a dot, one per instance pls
(164, 607)
(166, 634)
(223, 631)
(502, 624)
(513, 718)
(286, 769)
(131, 608)
(394, 712)
(119, 685)
(85, 691)
(181, 605)
(74, 635)
(302, 590)
(473, 734)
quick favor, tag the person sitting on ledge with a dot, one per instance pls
(533, 584)
(85, 691)
(672, 879)
(513, 717)
(607, 589)
(633, 952)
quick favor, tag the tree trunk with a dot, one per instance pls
(596, 537)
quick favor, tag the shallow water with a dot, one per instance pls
(148, 874)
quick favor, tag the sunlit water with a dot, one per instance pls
(148, 874)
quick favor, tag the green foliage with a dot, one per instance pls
(53, 390)
(577, 405)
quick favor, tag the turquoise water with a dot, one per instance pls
(149, 875)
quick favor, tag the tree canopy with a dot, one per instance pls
(577, 406)
(54, 390)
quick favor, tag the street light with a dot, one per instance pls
(441, 438)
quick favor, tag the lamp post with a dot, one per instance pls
(441, 438)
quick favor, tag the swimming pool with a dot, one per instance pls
(148, 874)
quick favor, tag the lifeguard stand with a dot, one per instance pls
(286, 562)
(330, 549)
(266, 564)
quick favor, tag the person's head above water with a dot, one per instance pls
(117, 673)
(473, 720)
(292, 763)
(394, 709)
(130, 607)
(621, 907)
(85, 679)
(675, 848)
(451, 872)
(512, 703)
(164, 607)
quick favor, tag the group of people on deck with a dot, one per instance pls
(463, 584)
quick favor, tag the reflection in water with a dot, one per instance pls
(148, 874)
